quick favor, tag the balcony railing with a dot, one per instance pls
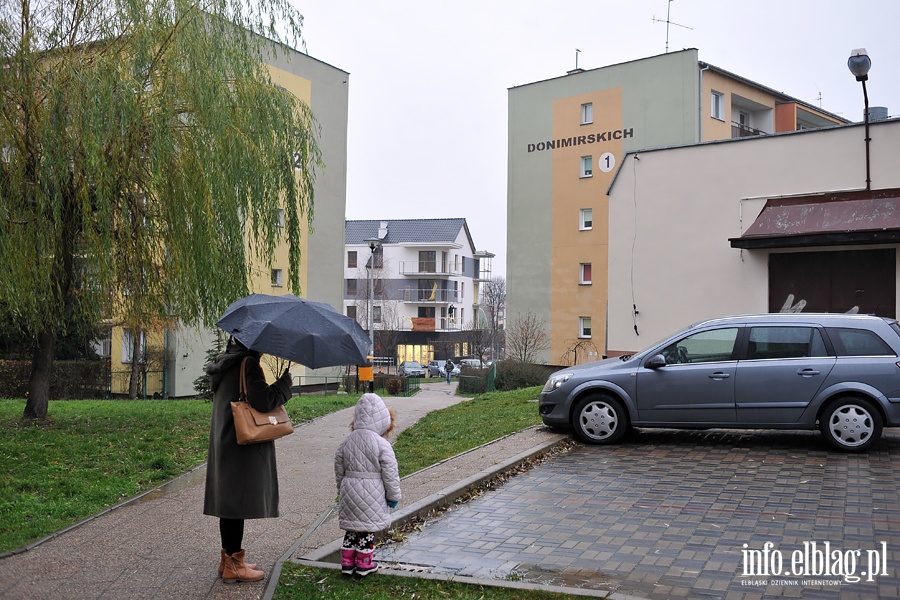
(739, 130)
(428, 269)
(430, 295)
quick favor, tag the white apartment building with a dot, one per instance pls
(425, 285)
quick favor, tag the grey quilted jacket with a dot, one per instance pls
(365, 469)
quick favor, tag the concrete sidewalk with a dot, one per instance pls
(160, 545)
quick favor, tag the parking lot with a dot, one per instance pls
(684, 514)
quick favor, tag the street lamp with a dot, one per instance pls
(373, 244)
(859, 64)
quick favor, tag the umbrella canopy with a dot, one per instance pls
(302, 331)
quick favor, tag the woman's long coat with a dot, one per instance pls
(241, 481)
(365, 469)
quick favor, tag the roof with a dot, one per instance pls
(826, 219)
(407, 231)
(780, 97)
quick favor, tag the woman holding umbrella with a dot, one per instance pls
(241, 481)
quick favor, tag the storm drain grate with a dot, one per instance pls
(406, 567)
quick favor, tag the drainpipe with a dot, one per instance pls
(700, 96)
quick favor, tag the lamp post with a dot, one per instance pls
(373, 244)
(859, 64)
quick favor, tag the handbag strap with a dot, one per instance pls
(242, 390)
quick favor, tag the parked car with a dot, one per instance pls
(835, 372)
(472, 363)
(436, 368)
(411, 368)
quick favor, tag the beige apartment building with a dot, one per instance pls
(568, 137)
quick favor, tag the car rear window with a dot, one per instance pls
(858, 342)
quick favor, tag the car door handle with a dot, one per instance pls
(807, 372)
(719, 375)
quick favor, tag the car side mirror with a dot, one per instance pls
(656, 361)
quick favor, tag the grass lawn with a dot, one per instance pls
(302, 582)
(92, 454)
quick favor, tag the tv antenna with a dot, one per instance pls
(669, 22)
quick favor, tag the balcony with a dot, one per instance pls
(423, 269)
(430, 295)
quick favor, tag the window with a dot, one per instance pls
(858, 342)
(128, 346)
(277, 277)
(585, 269)
(376, 314)
(584, 327)
(717, 106)
(587, 113)
(587, 166)
(785, 342)
(351, 311)
(427, 261)
(279, 218)
(351, 288)
(586, 219)
(707, 346)
(351, 259)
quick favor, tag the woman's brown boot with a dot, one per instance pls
(237, 570)
(222, 563)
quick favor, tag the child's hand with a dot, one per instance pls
(392, 504)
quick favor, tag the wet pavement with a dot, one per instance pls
(671, 514)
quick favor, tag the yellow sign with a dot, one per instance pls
(365, 374)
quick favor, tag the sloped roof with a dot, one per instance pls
(407, 231)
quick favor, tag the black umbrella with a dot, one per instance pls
(302, 331)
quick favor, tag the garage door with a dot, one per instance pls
(838, 281)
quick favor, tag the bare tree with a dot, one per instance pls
(478, 338)
(526, 337)
(388, 337)
(579, 351)
(493, 301)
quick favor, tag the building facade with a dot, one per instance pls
(426, 286)
(178, 353)
(797, 232)
(567, 138)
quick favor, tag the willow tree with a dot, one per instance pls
(144, 156)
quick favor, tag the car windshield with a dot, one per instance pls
(647, 349)
(413, 365)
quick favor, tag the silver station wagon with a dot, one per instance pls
(834, 372)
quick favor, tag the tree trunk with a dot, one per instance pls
(136, 358)
(39, 384)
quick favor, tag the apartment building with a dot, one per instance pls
(567, 139)
(425, 282)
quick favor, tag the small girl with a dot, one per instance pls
(368, 483)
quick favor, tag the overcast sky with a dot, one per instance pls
(428, 80)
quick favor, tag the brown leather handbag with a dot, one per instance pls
(252, 426)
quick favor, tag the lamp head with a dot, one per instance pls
(859, 64)
(373, 243)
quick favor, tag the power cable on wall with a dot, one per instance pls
(634, 310)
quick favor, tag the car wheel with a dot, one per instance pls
(600, 419)
(851, 424)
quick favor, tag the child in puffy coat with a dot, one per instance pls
(368, 483)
